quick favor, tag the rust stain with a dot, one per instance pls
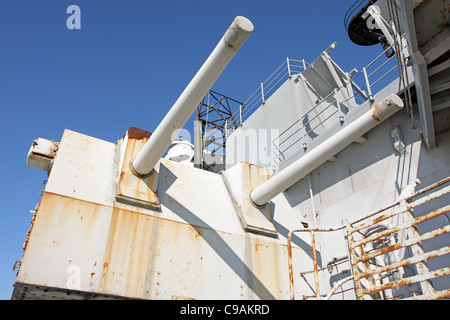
(126, 255)
(444, 11)
(131, 187)
(134, 244)
(264, 262)
(376, 113)
(138, 134)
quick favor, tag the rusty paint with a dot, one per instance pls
(430, 197)
(377, 113)
(263, 260)
(405, 262)
(445, 23)
(361, 257)
(414, 241)
(409, 280)
(291, 272)
(290, 267)
(426, 236)
(316, 272)
(408, 205)
(147, 257)
(33, 218)
(432, 186)
(138, 134)
(432, 296)
(350, 239)
(45, 148)
(17, 264)
(130, 188)
(416, 221)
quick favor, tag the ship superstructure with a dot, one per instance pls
(324, 184)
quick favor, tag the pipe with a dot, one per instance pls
(336, 259)
(337, 285)
(179, 114)
(317, 156)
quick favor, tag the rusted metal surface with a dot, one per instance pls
(314, 260)
(291, 271)
(45, 148)
(132, 189)
(316, 272)
(337, 286)
(414, 241)
(415, 259)
(193, 247)
(33, 218)
(428, 198)
(186, 250)
(41, 153)
(141, 256)
(409, 280)
(431, 296)
(426, 236)
(430, 187)
(423, 218)
(365, 283)
(291, 262)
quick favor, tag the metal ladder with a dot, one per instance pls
(365, 246)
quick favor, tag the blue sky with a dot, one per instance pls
(125, 67)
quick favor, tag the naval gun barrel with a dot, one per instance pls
(179, 114)
(317, 156)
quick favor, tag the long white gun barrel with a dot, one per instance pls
(313, 159)
(179, 114)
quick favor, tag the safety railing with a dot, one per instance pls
(354, 9)
(375, 243)
(329, 111)
(378, 70)
(322, 116)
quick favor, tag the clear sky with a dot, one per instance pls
(125, 67)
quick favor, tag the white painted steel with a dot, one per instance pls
(194, 247)
(179, 114)
(313, 159)
(41, 154)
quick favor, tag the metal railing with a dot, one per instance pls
(323, 115)
(354, 9)
(385, 68)
(330, 111)
(371, 275)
